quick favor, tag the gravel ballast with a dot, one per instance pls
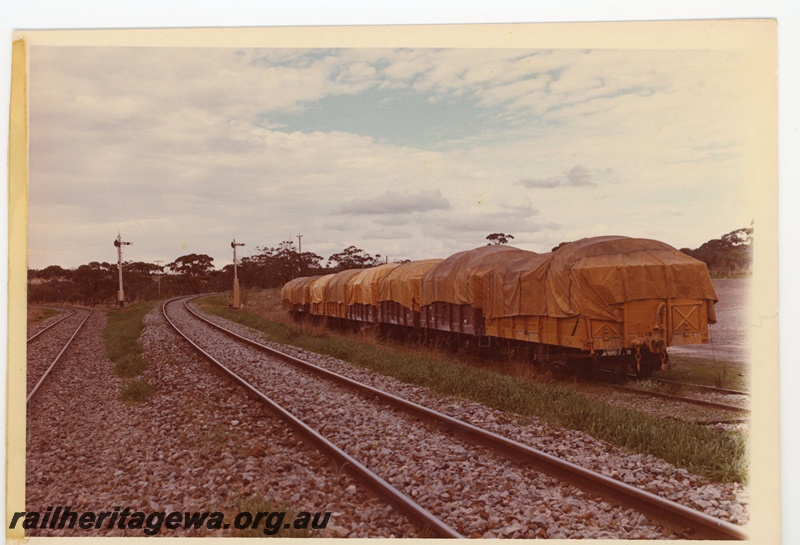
(727, 501)
(197, 444)
(43, 349)
(200, 444)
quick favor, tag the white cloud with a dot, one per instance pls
(577, 176)
(180, 144)
(392, 202)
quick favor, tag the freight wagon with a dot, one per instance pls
(599, 301)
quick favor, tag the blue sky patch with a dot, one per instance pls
(404, 119)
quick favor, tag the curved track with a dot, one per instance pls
(701, 387)
(675, 397)
(36, 375)
(681, 399)
(427, 522)
(685, 521)
(71, 312)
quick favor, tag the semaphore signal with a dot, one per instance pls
(237, 298)
(119, 244)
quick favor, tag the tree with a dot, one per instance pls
(354, 258)
(140, 280)
(54, 272)
(273, 267)
(96, 282)
(730, 254)
(141, 267)
(560, 244)
(195, 269)
(498, 238)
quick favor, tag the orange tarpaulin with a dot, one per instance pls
(587, 276)
(297, 291)
(365, 284)
(402, 284)
(459, 278)
(339, 291)
(318, 288)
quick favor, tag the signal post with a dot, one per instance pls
(237, 296)
(119, 244)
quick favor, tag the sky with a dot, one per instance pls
(410, 153)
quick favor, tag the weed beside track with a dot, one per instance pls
(123, 328)
(37, 315)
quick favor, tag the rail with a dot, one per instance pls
(35, 335)
(683, 520)
(426, 521)
(55, 361)
(682, 399)
(702, 387)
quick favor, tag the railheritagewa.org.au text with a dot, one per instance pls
(270, 523)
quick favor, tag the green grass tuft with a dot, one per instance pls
(38, 315)
(707, 371)
(123, 328)
(136, 391)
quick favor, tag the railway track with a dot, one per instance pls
(178, 450)
(40, 367)
(427, 522)
(681, 398)
(701, 387)
(71, 312)
(684, 521)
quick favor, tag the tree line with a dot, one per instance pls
(729, 255)
(97, 283)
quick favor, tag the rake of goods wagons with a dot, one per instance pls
(598, 301)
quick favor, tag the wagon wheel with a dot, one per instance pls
(589, 368)
(649, 364)
(646, 368)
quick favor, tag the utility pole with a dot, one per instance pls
(300, 251)
(158, 262)
(237, 297)
(119, 244)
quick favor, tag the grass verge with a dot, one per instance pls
(122, 333)
(707, 371)
(136, 391)
(718, 455)
(38, 315)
